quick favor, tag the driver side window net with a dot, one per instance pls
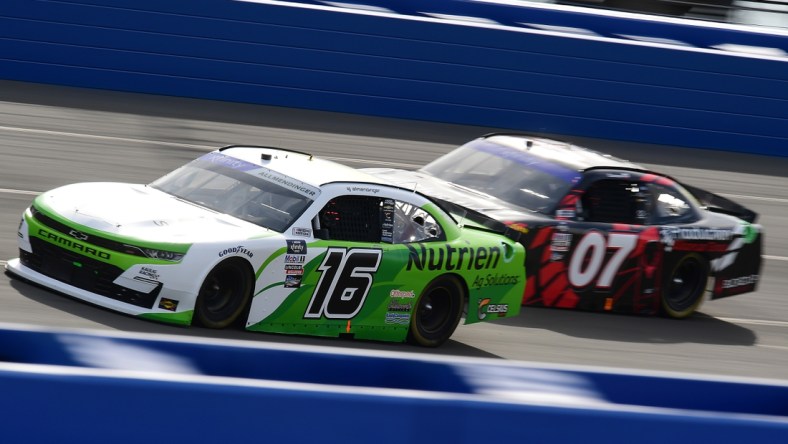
(375, 219)
(614, 201)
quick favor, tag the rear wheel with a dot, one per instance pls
(224, 295)
(437, 312)
(683, 290)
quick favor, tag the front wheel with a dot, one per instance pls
(684, 286)
(224, 295)
(437, 312)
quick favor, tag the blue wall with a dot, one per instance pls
(414, 67)
(98, 387)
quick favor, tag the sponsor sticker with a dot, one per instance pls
(150, 273)
(740, 281)
(297, 246)
(669, 235)
(292, 281)
(485, 308)
(294, 269)
(561, 242)
(294, 258)
(400, 306)
(397, 318)
(240, 249)
(303, 232)
(168, 304)
(402, 294)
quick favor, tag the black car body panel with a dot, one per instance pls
(601, 233)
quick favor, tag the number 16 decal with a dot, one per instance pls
(594, 244)
(345, 280)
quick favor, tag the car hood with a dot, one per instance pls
(460, 195)
(141, 212)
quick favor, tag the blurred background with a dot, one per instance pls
(772, 13)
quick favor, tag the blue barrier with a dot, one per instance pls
(586, 21)
(395, 65)
(106, 387)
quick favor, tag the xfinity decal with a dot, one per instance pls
(296, 246)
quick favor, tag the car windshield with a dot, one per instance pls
(242, 189)
(510, 174)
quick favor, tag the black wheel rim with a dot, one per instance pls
(435, 310)
(685, 285)
(221, 292)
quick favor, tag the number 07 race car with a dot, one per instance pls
(276, 241)
(601, 233)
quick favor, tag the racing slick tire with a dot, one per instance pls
(684, 287)
(224, 295)
(437, 312)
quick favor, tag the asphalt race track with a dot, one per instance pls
(51, 136)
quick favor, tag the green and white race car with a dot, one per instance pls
(275, 241)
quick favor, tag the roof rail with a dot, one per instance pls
(304, 153)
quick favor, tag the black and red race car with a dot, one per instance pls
(600, 233)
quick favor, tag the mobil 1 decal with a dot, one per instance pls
(346, 277)
(590, 261)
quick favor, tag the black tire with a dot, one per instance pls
(683, 291)
(437, 312)
(224, 295)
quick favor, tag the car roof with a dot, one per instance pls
(299, 165)
(556, 151)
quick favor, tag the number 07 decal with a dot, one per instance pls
(345, 279)
(594, 245)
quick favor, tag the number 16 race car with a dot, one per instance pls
(276, 241)
(600, 233)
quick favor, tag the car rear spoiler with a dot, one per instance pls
(480, 220)
(718, 204)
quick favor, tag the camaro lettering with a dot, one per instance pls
(447, 257)
(73, 245)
